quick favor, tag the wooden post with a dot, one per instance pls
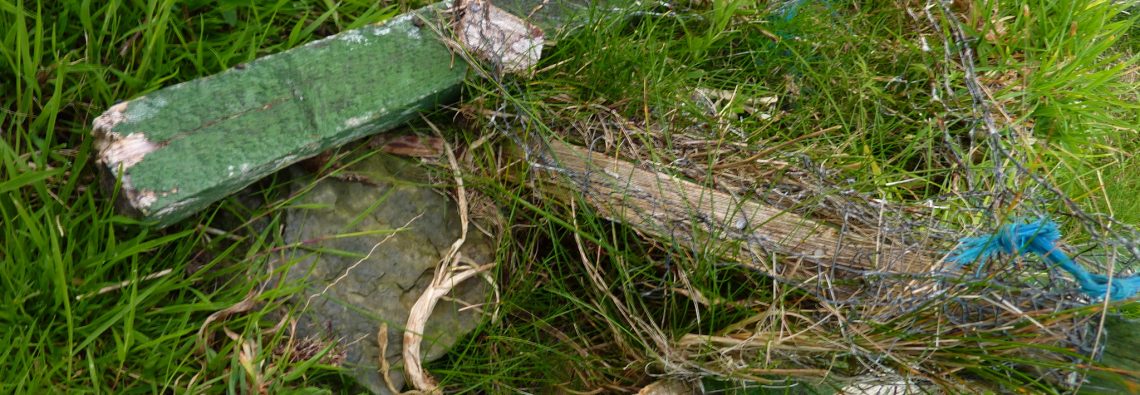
(670, 208)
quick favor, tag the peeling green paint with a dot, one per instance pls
(181, 148)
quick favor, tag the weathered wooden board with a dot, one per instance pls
(181, 148)
(674, 209)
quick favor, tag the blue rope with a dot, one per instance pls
(1039, 237)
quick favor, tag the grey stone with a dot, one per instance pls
(383, 287)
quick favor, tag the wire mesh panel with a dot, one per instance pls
(879, 283)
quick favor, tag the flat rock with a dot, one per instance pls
(340, 223)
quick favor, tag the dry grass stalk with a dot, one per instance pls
(385, 368)
(123, 284)
(447, 276)
(246, 304)
(441, 285)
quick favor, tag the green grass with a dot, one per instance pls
(863, 71)
(1059, 68)
(63, 63)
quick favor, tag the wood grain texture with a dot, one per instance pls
(671, 208)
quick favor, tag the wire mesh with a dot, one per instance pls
(896, 322)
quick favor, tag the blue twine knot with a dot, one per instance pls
(1039, 237)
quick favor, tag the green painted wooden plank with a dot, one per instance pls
(181, 148)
